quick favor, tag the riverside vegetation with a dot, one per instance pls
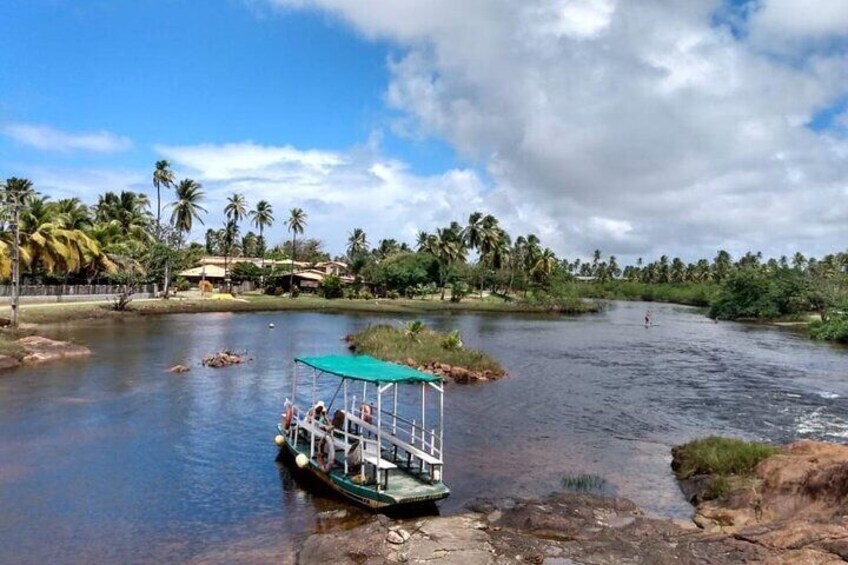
(418, 346)
(121, 239)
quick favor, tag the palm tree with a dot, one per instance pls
(236, 208)
(229, 243)
(545, 265)
(449, 249)
(162, 176)
(296, 223)
(357, 243)
(16, 193)
(187, 207)
(263, 217)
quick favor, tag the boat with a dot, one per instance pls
(382, 448)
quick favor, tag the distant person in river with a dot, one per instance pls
(649, 318)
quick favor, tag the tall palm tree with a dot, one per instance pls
(296, 224)
(545, 265)
(16, 193)
(229, 243)
(162, 176)
(263, 217)
(236, 208)
(357, 243)
(187, 207)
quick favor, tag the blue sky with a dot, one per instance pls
(163, 71)
(640, 128)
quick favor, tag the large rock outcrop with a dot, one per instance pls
(793, 511)
(40, 349)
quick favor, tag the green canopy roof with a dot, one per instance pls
(366, 368)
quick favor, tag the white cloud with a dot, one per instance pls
(819, 19)
(339, 191)
(52, 139)
(637, 127)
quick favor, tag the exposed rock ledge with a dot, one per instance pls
(798, 514)
(40, 349)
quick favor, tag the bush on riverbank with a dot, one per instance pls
(834, 329)
(562, 298)
(750, 293)
(692, 293)
(420, 348)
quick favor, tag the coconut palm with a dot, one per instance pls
(545, 265)
(187, 207)
(236, 208)
(262, 217)
(162, 176)
(296, 224)
(16, 193)
(357, 243)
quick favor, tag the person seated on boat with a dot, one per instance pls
(354, 457)
(338, 419)
(326, 452)
(367, 409)
(318, 413)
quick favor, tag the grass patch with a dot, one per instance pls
(720, 456)
(583, 482)
(421, 347)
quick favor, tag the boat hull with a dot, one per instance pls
(365, 496)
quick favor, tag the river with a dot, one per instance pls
(114, 459)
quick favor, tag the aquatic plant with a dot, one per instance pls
(583, 482)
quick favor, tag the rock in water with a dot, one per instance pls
(40, 349)
(179, 369)
(224, 359)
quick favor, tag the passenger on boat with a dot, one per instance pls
(318, 413)
(338, 419)
(354, 457)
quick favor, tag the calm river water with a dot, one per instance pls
(114, 459)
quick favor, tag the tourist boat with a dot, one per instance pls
(368, 443)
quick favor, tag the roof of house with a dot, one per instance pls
(208, 271)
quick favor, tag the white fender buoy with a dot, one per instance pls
(271, 325)
(301, 460)
(279, 440)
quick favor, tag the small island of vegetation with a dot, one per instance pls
(418, 346)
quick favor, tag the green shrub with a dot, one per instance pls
(459, 290)
(182, 284)
(295, 291)
(719, 456)
(452, 341)
(332, 287)
(750, 293)
(834, 329)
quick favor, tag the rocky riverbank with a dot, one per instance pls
(793, 509)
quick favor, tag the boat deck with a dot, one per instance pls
(404, 486)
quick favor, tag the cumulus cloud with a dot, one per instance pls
(51, 139)
(637, 127)
(339, 190)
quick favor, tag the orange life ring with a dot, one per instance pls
(289, 416)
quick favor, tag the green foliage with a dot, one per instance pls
(393, 344)
(459, 290)
(402, 272)
(692, 293)
(452, 341)
(583, 482)
(245, 271)
(558, 297)
(332, 287)
(182, 284)
(833, 329)
(719, 456)
(752, 293)
(414, 329)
